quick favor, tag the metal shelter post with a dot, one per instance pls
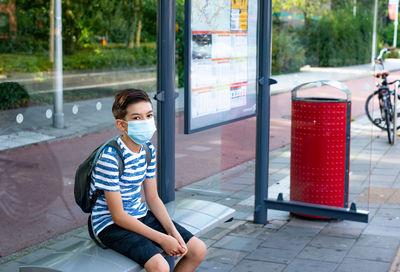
(166, 99)
(395, 112)
(263, 108)
(373, 53)
(58, 117)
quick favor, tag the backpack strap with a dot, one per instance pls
(148, 154)
(94, 237)
(114, 144)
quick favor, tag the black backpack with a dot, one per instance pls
(83, 175)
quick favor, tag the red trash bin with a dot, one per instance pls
(320, 147)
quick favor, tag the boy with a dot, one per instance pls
(120, 219)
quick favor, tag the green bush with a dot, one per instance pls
(12, 95)
(108, 58)
(24, 63)
(339, 39)
(288, 54)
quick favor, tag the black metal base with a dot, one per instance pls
(351, 213)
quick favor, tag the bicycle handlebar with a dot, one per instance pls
(390, 83)
(384, 51)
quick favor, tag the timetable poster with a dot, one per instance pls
(222, 60)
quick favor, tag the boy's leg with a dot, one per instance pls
(134, 246)
(157, 263)
(194, 256)
(196, 248)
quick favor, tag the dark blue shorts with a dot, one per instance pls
(135, 246)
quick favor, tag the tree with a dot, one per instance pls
(308, 8)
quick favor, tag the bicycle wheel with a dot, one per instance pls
(372, 104)
(389, 125)
(395, 109)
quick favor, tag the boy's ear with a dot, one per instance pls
(120, 125)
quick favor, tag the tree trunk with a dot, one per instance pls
(139, 32)
(132, 15)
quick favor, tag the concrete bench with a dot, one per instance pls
(198, 216)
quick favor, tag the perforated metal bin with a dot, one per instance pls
(320, 146)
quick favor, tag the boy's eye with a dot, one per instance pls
(136, 118)
(149, 115)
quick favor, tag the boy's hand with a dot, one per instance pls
(172, 247)
(182, 243)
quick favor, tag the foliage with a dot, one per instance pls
(387, 34)
(29, 39)
(86, 59)
(111, 58)
(24, 63)
(180, 41)
(12, 95)
(288, 54)
(339, 39)
(309, 8)
(326, 35)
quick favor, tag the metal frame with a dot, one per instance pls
(166, 100)
(262, 203)
(187, 51)
(396, 91)
(58, 117)
(188, 86)
(263, 109)
(318, 210)
(347, 156)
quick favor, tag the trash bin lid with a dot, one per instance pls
(333, 83)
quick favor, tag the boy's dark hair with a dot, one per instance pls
(126, 97)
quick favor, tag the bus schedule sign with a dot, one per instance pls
(220, 62)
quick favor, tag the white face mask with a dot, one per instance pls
(141, 131)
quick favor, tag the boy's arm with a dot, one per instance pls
(160, 212)
(114, 201)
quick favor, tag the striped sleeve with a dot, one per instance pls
(151, 169)
(106, 172)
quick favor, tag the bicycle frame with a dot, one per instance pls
(384, 93)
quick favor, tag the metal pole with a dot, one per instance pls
(166, 100)
(396, 23)
(396, 91)
(373, 54)
(263, 108)
(58, 119)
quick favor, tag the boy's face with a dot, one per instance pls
(139, 111)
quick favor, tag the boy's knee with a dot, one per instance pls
(197, 250)
(157, 263)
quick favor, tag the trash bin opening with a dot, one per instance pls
(320, 99)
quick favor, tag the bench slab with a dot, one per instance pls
(197, 216)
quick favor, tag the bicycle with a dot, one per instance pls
(385, 98)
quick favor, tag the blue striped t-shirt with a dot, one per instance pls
(105, 176)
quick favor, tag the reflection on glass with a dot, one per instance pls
(19, 118)
(106, 47)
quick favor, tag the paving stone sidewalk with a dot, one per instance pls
(290, 243)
